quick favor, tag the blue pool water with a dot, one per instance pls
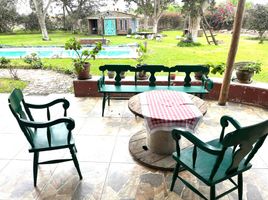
(57, 52)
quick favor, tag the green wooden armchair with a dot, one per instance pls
(44, 136)
(221, 159)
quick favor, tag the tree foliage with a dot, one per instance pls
(78, 9)
(151, 8)
(170, 20)
(8, 15)
(193, 8)
(144, 7)
(258, 20)
(30, 22)
(221, 16)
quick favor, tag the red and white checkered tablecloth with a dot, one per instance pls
(166, 110)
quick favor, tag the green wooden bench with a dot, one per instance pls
(204, 86)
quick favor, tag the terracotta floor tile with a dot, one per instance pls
(65, 183)
(95, 148)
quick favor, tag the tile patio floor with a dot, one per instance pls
(108, 169)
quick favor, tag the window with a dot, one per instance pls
(123, 24)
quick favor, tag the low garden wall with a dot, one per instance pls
(252, 94)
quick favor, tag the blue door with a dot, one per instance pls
(109, 27)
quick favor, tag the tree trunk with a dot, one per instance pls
(80, 25)
(195, 21)
(41, 15)
(64, 17)
(42, 23)
(145, 23)
(155, 27)
(157, 14)
(232, 53)
(194, 27)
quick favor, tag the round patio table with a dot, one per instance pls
(163, 111)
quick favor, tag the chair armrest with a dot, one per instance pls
(225, 122)
(65, 102)
(177, 133)
(207, 83)
(70, 123)
(225, 119)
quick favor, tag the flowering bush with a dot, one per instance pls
(221, 17)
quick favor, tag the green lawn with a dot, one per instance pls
(165, 52)
(7, 85)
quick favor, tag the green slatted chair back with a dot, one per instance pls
(20, 111)
(220, 159)
(246, 142)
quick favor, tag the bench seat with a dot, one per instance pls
(144, 88)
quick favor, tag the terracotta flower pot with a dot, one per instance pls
(244, 76)
(85, 72)
(122, 75)
(172, 76)
(198, 75)
(111, 74)
(142, 75)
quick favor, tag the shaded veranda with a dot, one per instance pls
(108, 169)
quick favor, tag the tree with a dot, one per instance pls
(79, 9)
(30, 22)
(8, 15)
(41, 12)
(159, 7)
(144, 7)
(221, 16)
(151, 8)
(258, 20)
(194, 9)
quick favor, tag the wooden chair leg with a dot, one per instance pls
(240, 186)
(175, 175)
(109, 99)
(76, 164)
(212, 193)
(35, 167)
(103, 103)
(75, 149)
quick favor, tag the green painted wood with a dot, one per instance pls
(44, 136)
(220, 159)
(152, 70)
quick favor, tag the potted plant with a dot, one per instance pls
(81, 64)
(111, 74)
(172, 76)
(213, 68)
(141, 51)
(246, 70)
(217, 68)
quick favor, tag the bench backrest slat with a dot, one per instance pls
(152, 70)
(188, 69)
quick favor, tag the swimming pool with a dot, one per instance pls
(60, 52)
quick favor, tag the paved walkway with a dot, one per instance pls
(42, 82)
